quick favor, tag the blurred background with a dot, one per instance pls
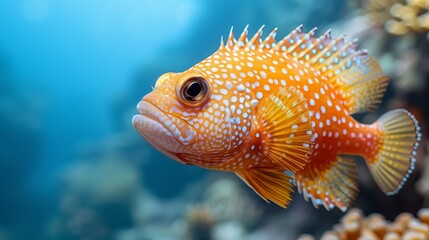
(71, 73)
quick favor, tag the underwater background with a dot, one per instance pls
(71, 73)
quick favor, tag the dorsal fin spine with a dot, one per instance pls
(310, 44)
(297, 43)
(221, 45)
(327, 34)
(230, 41)
(335, 58)
(256, 39)
(282, 42)
(242, 40)
(323, 49)
(358, 76)
(318, 44)
(269, 40)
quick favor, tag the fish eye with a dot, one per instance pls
(194, 91)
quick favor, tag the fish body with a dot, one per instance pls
(278, 114)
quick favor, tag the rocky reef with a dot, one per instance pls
(355, 226)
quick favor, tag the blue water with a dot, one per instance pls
(80, 55)
(79, 68)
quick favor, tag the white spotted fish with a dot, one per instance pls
(278, 114)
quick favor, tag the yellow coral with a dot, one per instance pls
(354, 226)
(399, 16)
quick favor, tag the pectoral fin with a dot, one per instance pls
(285, 128)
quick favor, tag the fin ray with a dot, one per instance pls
(332, 184)
(286, 129)
(270, 184)
(358, 75)
(394, 160)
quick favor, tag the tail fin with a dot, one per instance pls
(394, 161)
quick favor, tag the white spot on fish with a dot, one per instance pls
(241, 88)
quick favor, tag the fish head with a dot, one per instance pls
(186, 118)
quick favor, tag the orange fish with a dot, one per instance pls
(278, 114)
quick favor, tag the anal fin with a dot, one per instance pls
(271, 184)
(334, 184)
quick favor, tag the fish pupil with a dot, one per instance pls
(194, 89)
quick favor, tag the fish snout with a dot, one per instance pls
(162, 129)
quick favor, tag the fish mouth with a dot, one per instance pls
(160, 129)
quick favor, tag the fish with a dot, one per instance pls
(279, 114)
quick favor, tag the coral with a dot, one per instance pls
(232, 230)
(229, 201)
(354, 225)
(200, 222)
(100, 191)
(399, 17)
(103, 182)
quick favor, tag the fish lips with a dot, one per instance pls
(166, 132)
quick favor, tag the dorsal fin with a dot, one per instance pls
(256, 39)
(310, 36)
(269, 40)
(242, 40)
(230, 42)
(358, 76)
